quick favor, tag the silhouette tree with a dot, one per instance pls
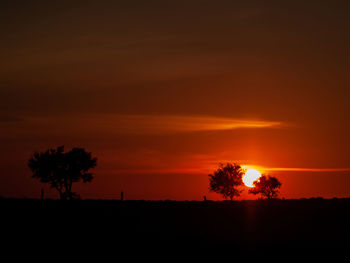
(61, 170)
(226, 180)
(267, 186)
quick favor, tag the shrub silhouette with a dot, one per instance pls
(226, 180)
(267, 186)
(61, 170)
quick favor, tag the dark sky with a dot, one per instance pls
(162, 91)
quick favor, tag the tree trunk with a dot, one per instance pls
(68, 186)
(61, 192)
(62, 195)
(269, 196)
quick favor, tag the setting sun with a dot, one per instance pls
(250, 177)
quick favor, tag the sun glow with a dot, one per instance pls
(250, 177)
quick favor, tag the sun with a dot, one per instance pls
(250, 177)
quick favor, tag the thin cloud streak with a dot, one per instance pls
(206, 170)
(279, 169)
(178, 123)
(114, 124)
(264, 169)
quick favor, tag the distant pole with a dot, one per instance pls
(42, 194)
(121, 196)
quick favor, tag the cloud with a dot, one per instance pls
(175, 123)
(295, 169)
(155, 124)
(128, 124)
(281, 169)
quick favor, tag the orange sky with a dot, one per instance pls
(162, 91)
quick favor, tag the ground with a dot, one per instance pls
(238, 225)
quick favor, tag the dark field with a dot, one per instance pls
(311, 223)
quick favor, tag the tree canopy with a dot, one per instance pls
(266, 186)
(226, 180)
(61, 169)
